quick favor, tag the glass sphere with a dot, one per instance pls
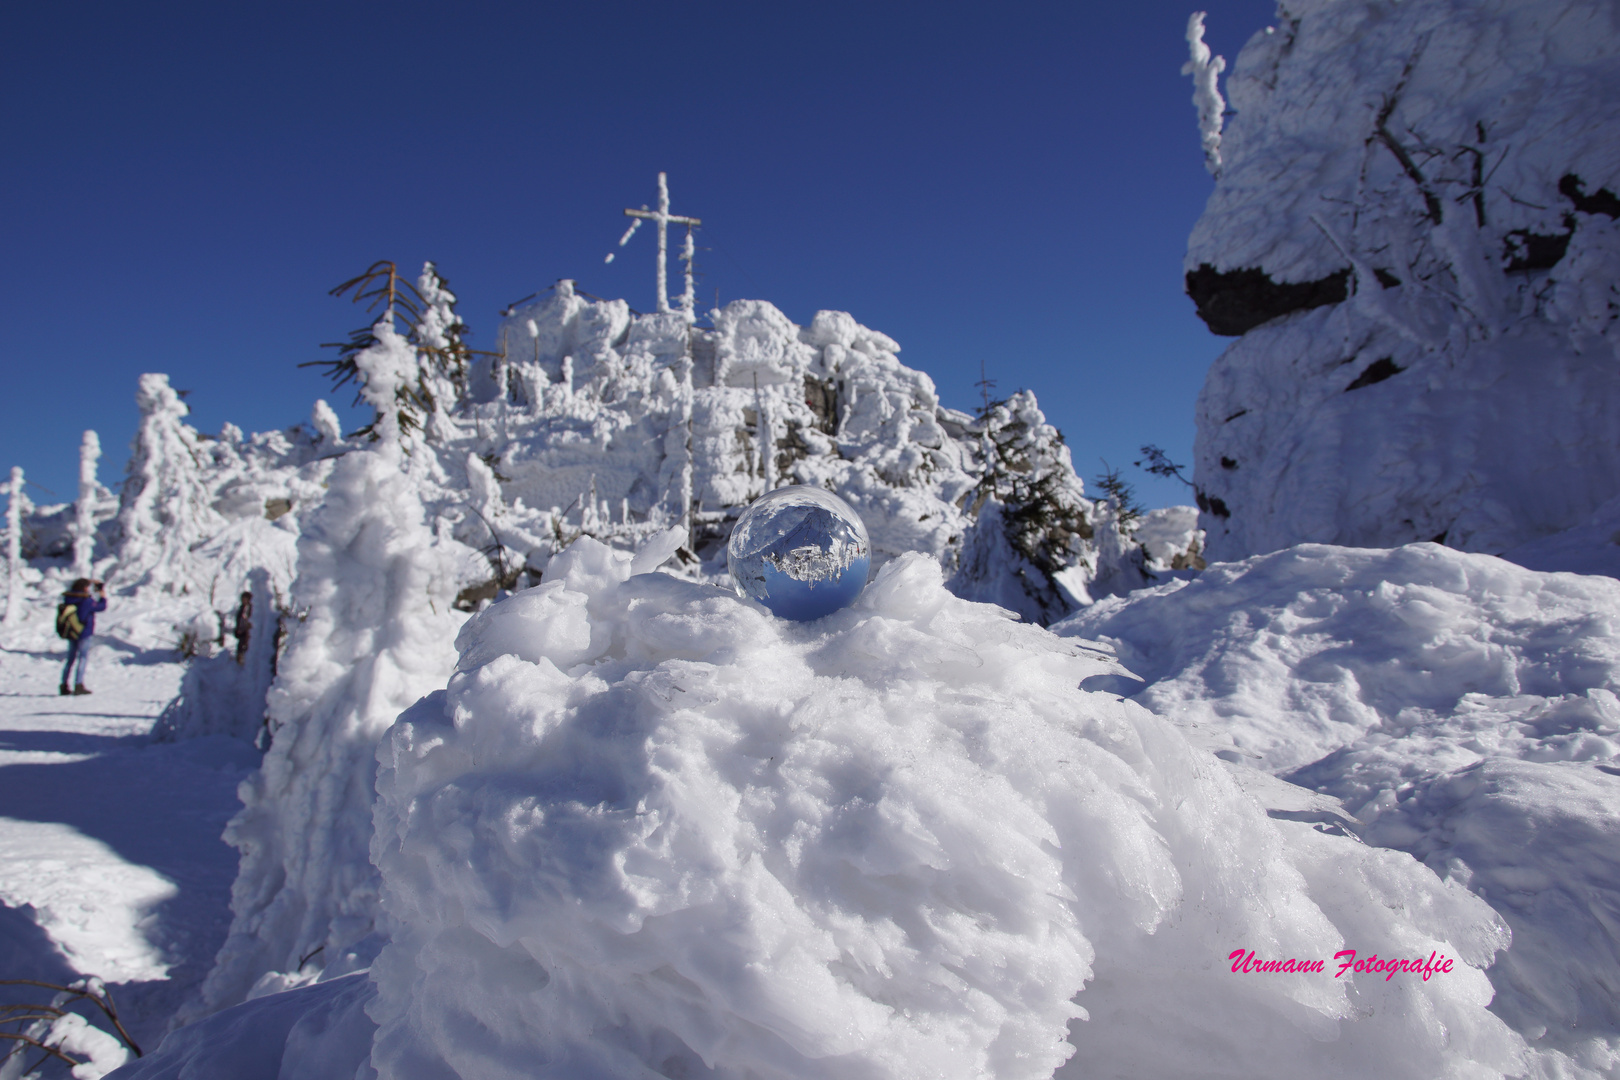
(801, 551)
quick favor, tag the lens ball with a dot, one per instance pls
(801, 551)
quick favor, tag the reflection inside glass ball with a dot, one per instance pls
(801, 551)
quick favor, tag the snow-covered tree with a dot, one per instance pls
(165, 509)
(15, 509)
(412, 376)
(1031, 516)
(84, 510)
(376, 631)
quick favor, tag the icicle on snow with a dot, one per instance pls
(84, 517)
(1205, 70)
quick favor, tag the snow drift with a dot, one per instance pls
(1462, 708)
(648, 829)
(1413, 229)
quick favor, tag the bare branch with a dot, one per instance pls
(1382, 133)
(28, 1040)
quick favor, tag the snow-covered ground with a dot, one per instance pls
(111, 862)
(1456, 707)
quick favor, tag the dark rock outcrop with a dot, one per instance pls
(1233, 302)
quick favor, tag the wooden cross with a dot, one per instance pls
(663, 217)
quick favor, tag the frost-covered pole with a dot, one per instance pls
(84, 523)
(663, 217)
(14, 548)
(766, 439)
(663, 241)
(1205, 70)
(689, 297)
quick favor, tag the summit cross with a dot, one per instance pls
(664, 218)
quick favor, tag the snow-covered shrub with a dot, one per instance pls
(647, 829)
(224, 693)
(1462, 708)
(1413, 232)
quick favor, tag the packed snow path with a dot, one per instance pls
(111, 861)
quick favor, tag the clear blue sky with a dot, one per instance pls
(1006, 184)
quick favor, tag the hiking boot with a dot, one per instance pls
(63, 690)
(81, 689)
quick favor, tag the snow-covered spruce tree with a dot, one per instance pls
(165, 508)
(416, 375)
(1031, 516)
(1121, 561)
(84, 510)
(441, 337)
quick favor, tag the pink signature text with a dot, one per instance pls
(1437, 963)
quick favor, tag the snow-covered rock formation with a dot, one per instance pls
(1415, 231)
(1460, 708)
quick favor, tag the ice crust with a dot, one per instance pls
(1461, 709)
(649, 830)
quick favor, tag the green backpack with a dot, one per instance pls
(68, 624)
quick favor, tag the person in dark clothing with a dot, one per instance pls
(87, 598)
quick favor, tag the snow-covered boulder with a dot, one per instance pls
(647, 829)
(1413, 228)
(1462, 709)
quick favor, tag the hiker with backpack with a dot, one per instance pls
(76, 622)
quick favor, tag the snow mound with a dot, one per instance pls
(1460, 707)
(648, 829)
(1414, 231)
